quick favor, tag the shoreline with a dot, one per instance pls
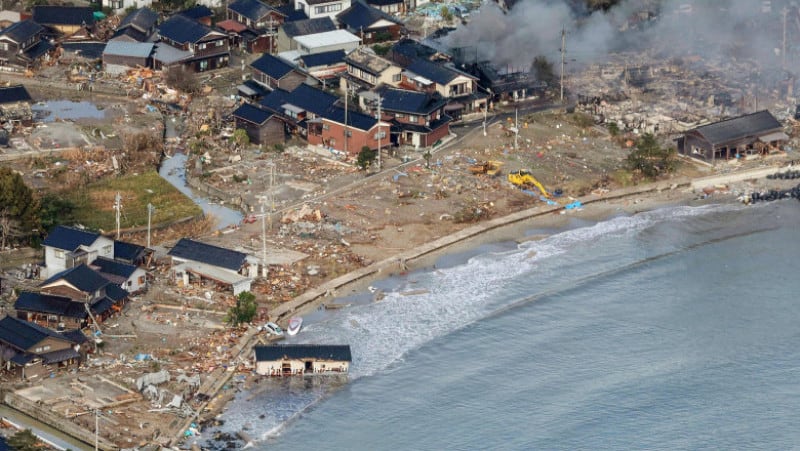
(512, 227)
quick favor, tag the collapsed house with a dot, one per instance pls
(756, 133)
(15, 107)
(193, 259)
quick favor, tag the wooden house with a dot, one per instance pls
(755, 133)
(263, 127)
(457, 86)
(85, 285)
(24, 44)
(389, 6)
(65, 22)
(199, 13)
(120, 56)
(261, 23)
(193, 259)
(370, 24)
(418, 119)
(299, 107)
(138, 26)
(366, 70)
(52, 311)
(324, 66)
(67, 247)
(30, 350)
(207, 49)
(274, 73)
(301, 359)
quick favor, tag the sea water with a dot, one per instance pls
(671, 329)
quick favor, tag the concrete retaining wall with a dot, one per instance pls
(211, 191)
(44, 415)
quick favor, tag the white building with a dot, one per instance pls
(302, 359)
(327, 41)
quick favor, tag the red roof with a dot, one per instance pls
(232, 25)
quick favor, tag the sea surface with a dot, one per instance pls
(672, 329)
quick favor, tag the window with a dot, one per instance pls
(201, 46)
(4, 46)
(400, 115)
(380, 135)
(326, 127)
(412, 118)
(108, 249)
(203, 65)
(397, 77)
(328, 8)
(46, 348)
(39, 349)
(348, 133)
(59, 253)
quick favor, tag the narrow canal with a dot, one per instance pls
(55, 438)
(174, 171)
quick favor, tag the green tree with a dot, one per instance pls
(55, 210)
(366, 157)
(240, 138)
(17, 203)
(24, 441)
(447, 16)
(244, 311)
(650, 159)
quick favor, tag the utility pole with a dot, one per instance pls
(118, 209)
(484, 117)
(262, 200)
(380, 101)
(346, 95)
(563, 58)
(150, 210)
(516, 128)
(784, 12)
(96, 428)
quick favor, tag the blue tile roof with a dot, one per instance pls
(102, 306)
(81, 277)
(304, 96)
(63, 15)
(252, 9)
(434, 72)
(206, 253)
(113, 267)
(20, 32)
(24, 335)
(323, 59)
(14, 94)
(53, 305)
(271, 353)
(75, 336)
(115, 292)
(362, 16)
(197, 12)
(183, 30)
(291, 13)
(128, 252)
(251, 113)
(273, 66)
(143, 19)
(354, 119)
(412, 102)
(69, 239)
(308, 26)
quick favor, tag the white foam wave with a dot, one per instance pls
(382, 333)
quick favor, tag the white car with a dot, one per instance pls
(272, 329)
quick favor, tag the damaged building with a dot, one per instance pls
(756, 133)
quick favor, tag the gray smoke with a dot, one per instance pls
(720, 29)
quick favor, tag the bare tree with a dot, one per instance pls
(9, 229)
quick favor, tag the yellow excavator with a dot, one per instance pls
(525, 180)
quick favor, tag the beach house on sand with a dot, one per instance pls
(301, 359)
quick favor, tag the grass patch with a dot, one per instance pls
(95, 204)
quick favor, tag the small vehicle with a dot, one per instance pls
(295, 323)
(272, 329)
